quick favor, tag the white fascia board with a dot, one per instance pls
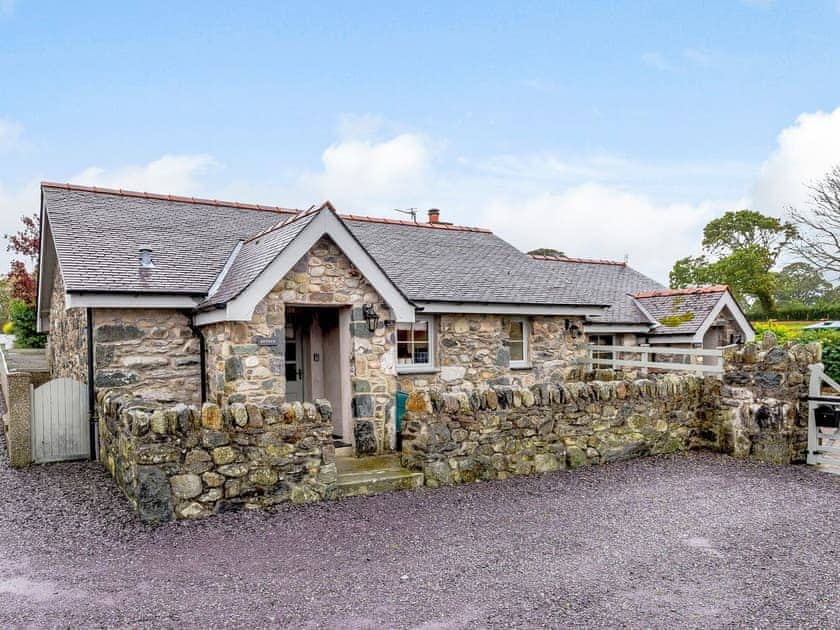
(616, 328)
(508, 309)
(118, 300)
(46, 265)
(241, 308)
(645, 312)
(224, 272)
(726, 301)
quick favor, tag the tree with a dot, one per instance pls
(546, 251)
(818, 224)
(740, 249)
(800, 283)
(23, 284)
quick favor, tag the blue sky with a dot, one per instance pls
(602, 129)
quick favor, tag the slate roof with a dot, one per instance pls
(99, 233)
(681, 311)
(256, 254)
(433, 265)
(608, 282)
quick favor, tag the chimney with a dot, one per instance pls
(146, 261)
(434, 215)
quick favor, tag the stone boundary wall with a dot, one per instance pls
(503, 431)
(758, 410)
(762, 408)
(180, 461)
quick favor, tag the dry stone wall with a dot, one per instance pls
(502, 431)
(176, 462)
(762, 409)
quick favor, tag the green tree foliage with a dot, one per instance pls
(739, 249)
(800, 283)
(24, 317)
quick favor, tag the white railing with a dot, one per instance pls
(823, 432)
(646, 358)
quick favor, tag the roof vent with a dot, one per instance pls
(434, 215)
(146, 258)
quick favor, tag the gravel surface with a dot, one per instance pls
(694, 540)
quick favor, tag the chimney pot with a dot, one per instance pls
(434, 215)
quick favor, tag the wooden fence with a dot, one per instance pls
(657, 358)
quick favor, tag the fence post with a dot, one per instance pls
(814, 389)
(645, 357)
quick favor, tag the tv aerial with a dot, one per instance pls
(412, 212)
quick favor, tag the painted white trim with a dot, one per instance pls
(419, 368)
(325, 223)
(47, 264)
(654, 322)
(508, 309)
(664, 339)
(116, 300)
(526, 345)
(610, 329)
(224, 272)
(726, 301)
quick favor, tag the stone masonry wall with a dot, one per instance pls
(151, 353)
(758, 410)
(240, 370)
(501, 431)
(472, 349)
(762, 411)
(176, 462)
(67, 341)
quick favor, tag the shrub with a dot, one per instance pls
(24, 327)
(796, 312)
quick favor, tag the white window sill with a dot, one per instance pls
(520, 366)
(417, 369)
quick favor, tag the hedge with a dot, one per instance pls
(799, 313)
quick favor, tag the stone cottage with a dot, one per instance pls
(177, 299)
(643, 312)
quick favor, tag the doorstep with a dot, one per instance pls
(371, 475)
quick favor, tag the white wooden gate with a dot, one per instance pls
(60, 421)
(823, 421)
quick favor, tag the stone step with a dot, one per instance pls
(372, 475)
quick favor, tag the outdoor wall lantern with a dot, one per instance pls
(369, 313)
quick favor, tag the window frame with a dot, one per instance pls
(601, 354)
(525, 362)
(418, 368)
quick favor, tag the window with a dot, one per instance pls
(601, 340)
(518, 343)
(415, 345)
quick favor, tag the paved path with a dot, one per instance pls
(691, 541)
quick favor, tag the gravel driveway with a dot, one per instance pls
(695, 540)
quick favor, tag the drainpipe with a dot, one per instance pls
(202, 350)
(92, 418)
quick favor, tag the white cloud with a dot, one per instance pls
(597, 221)
(805, 152)
(15, 203)
(11, 134)
(656, 60)
(174, 174)
(368, 176)
(698, 57)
